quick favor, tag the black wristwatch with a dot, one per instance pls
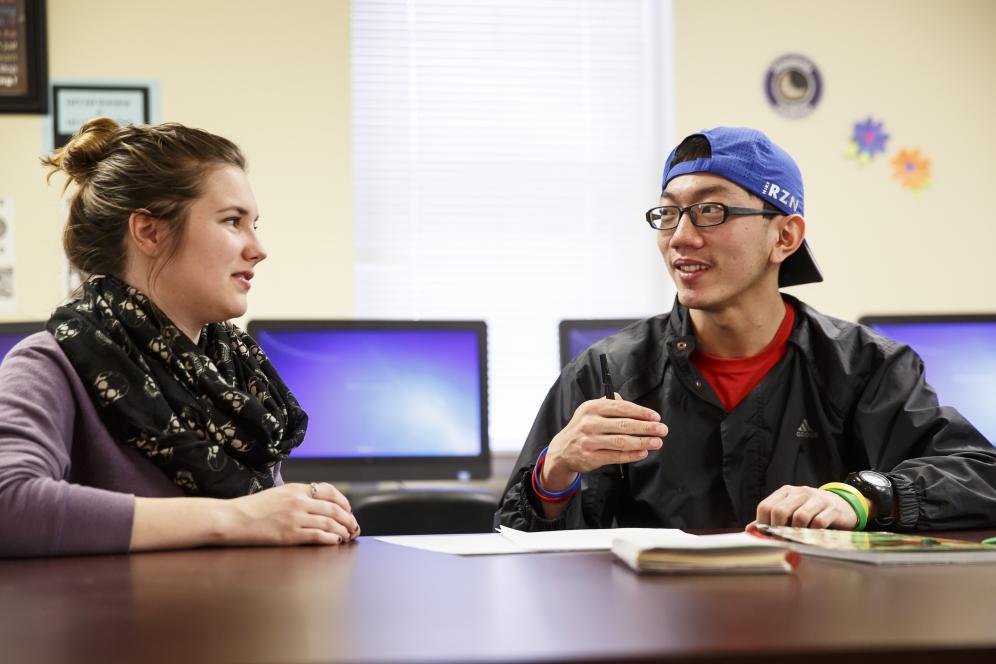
(877, 488)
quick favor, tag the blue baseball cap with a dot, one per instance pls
(748, 158)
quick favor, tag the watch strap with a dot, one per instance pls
(883, 499)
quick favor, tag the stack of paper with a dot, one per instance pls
(675, 552)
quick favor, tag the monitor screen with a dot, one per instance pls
(386, 400)
(12, 333)
(577, 335)
(959, 355)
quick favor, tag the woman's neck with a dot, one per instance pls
(138, 278)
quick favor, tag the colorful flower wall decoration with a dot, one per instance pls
(911, 169)
(868, 140)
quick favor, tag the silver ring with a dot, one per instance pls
(314, 489)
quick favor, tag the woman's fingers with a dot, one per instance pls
(328, 492)
(327, 524)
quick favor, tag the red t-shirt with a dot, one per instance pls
(732, 378)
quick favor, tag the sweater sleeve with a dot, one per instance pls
(942, 469)
(41, 513)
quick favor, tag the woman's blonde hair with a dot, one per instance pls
(118, 170)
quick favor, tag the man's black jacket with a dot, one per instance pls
(841, 399)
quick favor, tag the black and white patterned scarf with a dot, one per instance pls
(214, 416)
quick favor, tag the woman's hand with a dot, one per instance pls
(314, 513)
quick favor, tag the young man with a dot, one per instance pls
(742, 402)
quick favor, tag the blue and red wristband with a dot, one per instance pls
(552, 496)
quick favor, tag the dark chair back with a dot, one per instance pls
(425, 512)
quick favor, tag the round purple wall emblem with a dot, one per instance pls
(793, 85)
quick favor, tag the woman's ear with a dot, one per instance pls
(147, 233)
(791, 233)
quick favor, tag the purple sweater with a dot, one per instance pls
(66, 486)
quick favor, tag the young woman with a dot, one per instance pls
(141, 419)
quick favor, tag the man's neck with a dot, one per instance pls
(741, 330)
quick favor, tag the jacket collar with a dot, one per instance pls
(680, 328)
(681, 337)
(679, 342)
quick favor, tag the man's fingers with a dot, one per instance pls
(764, 507)
(805, 507)
(782, 513)
(620, 443)
(824, 519)
(606, 458)
(620, 408)
(623, 425)
(804, 515)
(778, 508)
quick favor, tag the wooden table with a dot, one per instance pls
(376, 602)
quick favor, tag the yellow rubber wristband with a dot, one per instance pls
(840, 486)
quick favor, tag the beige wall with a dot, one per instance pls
(276, 80)
(272, 77)
(926, 68)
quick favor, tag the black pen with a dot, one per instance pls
(610, 393)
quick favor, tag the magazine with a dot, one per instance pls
(880, 548)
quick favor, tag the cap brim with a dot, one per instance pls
(799, 268)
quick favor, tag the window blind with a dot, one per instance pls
(503, 156)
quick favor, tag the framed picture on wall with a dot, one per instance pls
(74, 104)
(23, 57)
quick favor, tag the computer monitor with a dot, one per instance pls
(578, 334)
(386, 400)
(12, 333)
(959, 355)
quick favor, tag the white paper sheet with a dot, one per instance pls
(461, 545)
(596, 539)
(510, 540)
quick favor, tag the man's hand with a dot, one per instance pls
(806, 507)
(602, 431)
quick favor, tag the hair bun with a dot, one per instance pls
(87, 147)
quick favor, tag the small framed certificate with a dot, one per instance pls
(72, 105)
(23, 57)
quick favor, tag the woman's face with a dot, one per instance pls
(207, 281)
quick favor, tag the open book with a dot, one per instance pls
(675, 552)
(880, 548)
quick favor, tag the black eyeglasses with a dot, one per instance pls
(667, 217)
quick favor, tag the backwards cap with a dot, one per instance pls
(748, 158)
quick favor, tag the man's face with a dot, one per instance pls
(719, 266)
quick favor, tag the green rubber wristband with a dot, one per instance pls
(859, 509)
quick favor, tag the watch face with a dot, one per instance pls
(875, 479)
